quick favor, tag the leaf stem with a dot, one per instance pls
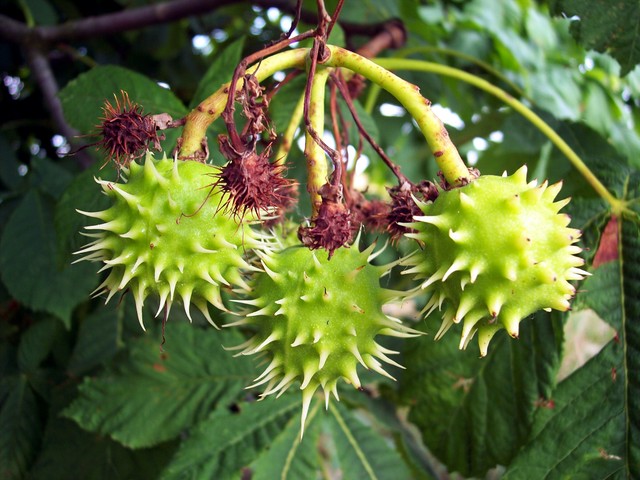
(406, 52)
(445, 153)
(430, 67)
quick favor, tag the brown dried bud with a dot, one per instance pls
(126, 133)
(254, 184)
(370, 213)
(331, 227)
(404, 207)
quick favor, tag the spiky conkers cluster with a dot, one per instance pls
(494, 252)
(316, 319)
(164, 234)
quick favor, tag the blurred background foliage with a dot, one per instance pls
(123, 416)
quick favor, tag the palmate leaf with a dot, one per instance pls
(474, 413)
(21, 426)
(227, 441)
(98, 339)
(219, 72)
(69, 452)
(154, 395)
(359, 451)
(579, 435)
(262, 439)
(28, 263)
(606, 26)
(289, 457)
(630, 256)
(594, 429)
(83, 98)
(83, 193)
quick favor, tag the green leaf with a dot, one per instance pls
(594, 429)
(601, 293)
(28, 262)
(288, 457)
(83, 98)
(360, 452)
(36, 343)
(84, 194)
(557, 90)
(475, 413)
(155, 395)
(629, 248)
(284, 103)
(98, 339)
(42, 11)
(70, 452)
(8, 165)
(67, 448)
(49, 177)
(579, 435)
(228, 441)
(220, 71)
(21, 427)
(612, 26)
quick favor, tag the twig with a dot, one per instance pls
(338, 177)
(111, 23)
(227, 114)
(49, 86)
(344, 91)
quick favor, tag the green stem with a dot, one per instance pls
(211, 108)
(290, 132)
(445, 153)
(374, 91)
(422, 66)
(406, 52)
(317, 168)
(372, 98)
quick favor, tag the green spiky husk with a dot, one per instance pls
(317, 319)
(166, 235)
(494, 252)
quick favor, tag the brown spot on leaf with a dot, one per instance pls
(158, 367)
(608, 248)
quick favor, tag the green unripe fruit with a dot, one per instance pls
(494, 252)
(165, 234)
(316, 319)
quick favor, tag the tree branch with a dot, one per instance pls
(137, 18)
(49, 86)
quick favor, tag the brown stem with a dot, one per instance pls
(296, 19)
(337, 177)
(344, 91)
(288, 78)
(137, 18)
(391, 35)
(334, 18)
(125, 20)
(227, 114)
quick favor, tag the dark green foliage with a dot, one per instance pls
(606, 26)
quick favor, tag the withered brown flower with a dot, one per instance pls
(254, 184)
(404, 207)
(125, 131)
(332, 227)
